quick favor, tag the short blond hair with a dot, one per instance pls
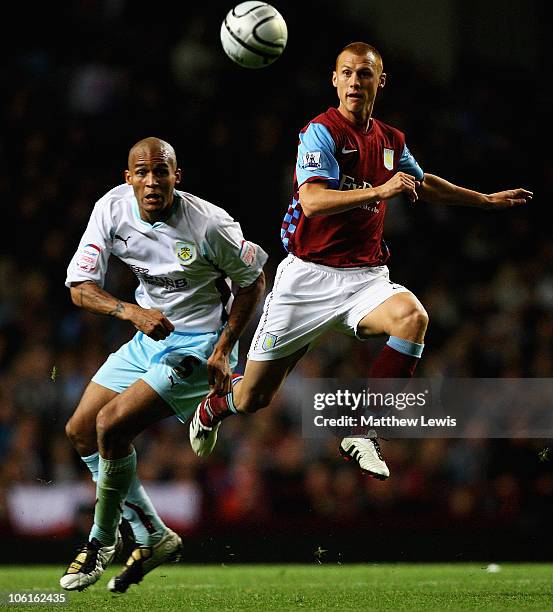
(361, 48)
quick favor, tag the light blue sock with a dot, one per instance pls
(146, 525)
(114, 479)
(92, 462)
(407, 347)
(230, 396)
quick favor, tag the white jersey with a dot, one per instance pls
(183, 264)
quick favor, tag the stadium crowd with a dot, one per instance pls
(486, 280)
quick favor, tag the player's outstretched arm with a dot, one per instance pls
(243, 307)
(91, 297)
(436, 190)
(317, 200)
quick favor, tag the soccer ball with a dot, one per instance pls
(254, 34)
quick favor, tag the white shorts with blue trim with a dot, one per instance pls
(309, 299)
(175, 368)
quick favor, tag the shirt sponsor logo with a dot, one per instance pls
(269, 341)
(371, 208)
(186, 252)
(171, 284)
(388, 159)
(88, 257)
(248, 252)
(349, 182)
(311, 159)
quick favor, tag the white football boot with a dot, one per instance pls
(366, 452)
(202, 438)
(89, 564)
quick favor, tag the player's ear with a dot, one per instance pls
(127, 176)
(335, 79)
(178, 176)
(382, 80)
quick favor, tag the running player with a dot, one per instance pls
(184, 252)
(335, 276)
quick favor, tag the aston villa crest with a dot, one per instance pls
(388, 159)
(269, 341)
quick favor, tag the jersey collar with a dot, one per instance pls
(174, 206)
(352, 125)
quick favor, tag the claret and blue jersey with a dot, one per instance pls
(334, 150)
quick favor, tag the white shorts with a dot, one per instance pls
(309, 299)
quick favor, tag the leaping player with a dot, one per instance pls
(335, 276)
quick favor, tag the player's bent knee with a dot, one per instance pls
(81, 437)
(71, 431)
(412, 322)
(110, 429)
(419, 319)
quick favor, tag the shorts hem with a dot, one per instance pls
(161, 395)
(274, 355)
(108, 386)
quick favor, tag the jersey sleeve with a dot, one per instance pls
(225, 246)
(407, 163)
(90, 261)
(316, 156)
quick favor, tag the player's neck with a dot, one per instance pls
(152, 217)
(360, 120)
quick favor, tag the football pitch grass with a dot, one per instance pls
(302, 587)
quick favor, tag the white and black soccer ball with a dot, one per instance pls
(254, 34)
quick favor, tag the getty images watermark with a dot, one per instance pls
(371, 409)
(428, 407)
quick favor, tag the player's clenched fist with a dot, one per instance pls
(399, 183)
(219, 374)
(151, 322)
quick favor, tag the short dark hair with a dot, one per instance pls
(360, 48)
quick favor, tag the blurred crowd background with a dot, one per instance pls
(84, 84)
